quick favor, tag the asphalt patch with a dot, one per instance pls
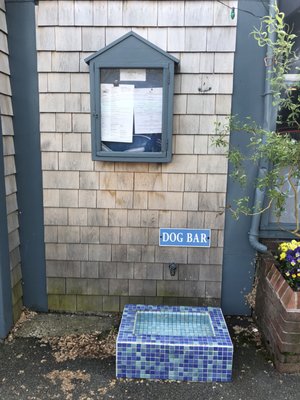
(29, 371)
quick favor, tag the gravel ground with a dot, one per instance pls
(29, 370)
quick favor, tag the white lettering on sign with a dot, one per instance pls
(194, 238)
(189, 238)
(184, 237)
(172, 237)
(203, 238)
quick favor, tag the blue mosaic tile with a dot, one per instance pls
(174, 342)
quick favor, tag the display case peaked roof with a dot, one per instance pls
(131, 46)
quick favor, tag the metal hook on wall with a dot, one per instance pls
(203, 89)
(172, 268)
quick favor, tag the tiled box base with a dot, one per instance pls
(178, 352)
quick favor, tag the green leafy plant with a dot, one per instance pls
(279, 149)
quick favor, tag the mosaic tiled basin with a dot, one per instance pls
(177, 343)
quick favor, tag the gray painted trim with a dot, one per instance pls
(24, 82)
(22, 1)
(289, 6)
(239, 257)
(6, 308)
(135, 35)
(269, 229)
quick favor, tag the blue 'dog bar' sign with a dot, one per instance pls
(184, 237)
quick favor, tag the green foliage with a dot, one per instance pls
(282, 58)
(279, 150)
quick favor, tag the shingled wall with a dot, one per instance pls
(6, 113)
(102, 218)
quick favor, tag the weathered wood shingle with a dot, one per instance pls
(114, 210)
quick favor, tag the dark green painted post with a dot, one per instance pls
(24, 82)
(249, 76)
(6, 312)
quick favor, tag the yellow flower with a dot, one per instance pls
(294, 244)
(282, 256)
(294, 276)
(283, 247)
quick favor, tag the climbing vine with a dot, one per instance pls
(280, 149)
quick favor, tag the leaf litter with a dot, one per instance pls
(25, 316)
(67, 379)
(245, 332)
(88, 345)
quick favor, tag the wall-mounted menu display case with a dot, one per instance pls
(132, 101)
